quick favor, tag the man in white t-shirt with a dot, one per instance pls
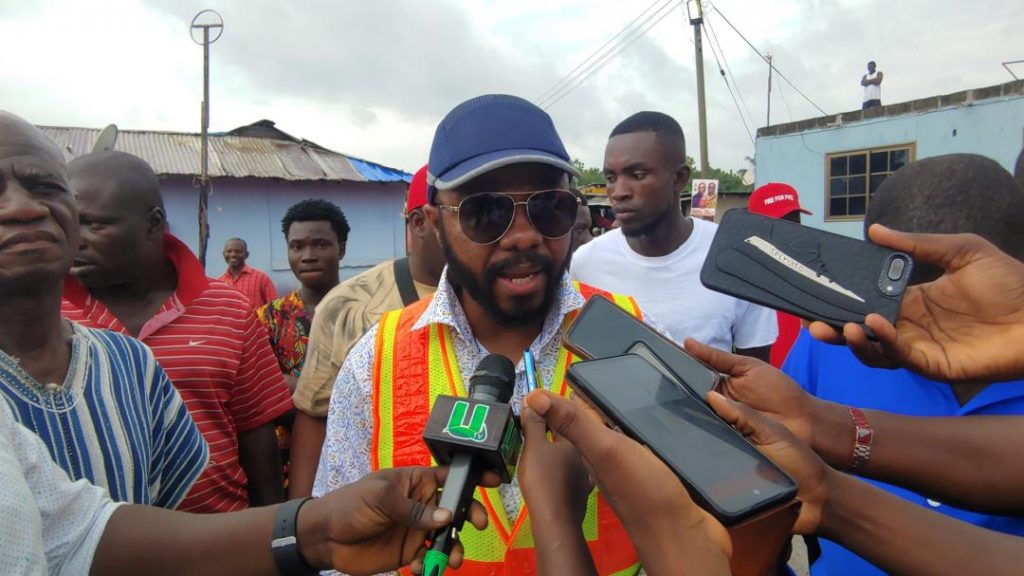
(657, 253)
(872, 83)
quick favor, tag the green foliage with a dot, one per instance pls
(728, 181)
(590, 175)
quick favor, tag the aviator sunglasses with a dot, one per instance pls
(486, 217)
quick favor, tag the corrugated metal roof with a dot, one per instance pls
(379, 173)
(230, 156)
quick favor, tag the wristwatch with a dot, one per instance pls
(285, 544)
(863, 437)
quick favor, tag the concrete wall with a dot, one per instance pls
(252, 209)
(993, 128)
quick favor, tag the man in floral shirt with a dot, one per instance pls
(316, 231)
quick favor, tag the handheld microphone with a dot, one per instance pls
(471, 435)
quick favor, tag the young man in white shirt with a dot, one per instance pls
(657, 253)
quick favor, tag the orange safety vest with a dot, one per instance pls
(401, 406)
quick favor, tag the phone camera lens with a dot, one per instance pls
(896, 268)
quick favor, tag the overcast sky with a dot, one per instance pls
(373, 78)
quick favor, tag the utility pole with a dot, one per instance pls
(769, 120)
(697, 22)
(205, 21)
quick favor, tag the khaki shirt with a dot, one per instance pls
(347, 312)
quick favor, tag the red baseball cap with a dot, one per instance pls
(775, 199)
(417, 191)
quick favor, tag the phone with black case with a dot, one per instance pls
(807, 272)
(603, 329)
(723, 472)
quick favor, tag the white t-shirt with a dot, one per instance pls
(872, 91)
(48, 524)
(669, 288)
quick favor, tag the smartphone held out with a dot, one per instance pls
(807, 272)
(603, 329)
(724, 473)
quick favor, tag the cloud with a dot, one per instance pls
(373, 78)
(414, 58)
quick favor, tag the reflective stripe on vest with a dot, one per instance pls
(401, 407)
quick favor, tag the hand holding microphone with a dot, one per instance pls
(471, 435)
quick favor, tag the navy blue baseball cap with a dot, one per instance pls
(489, 132)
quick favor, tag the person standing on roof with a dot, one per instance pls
(872, 83)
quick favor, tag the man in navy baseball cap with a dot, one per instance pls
(488, 132)
(491, 155)
(501, 205)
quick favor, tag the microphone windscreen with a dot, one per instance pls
(494, 379)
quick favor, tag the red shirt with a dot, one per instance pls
(215, 352)
(256, 285)
(789, 329)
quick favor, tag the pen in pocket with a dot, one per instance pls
(531, 371)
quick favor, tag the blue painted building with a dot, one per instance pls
(257, 172)
(837, 162)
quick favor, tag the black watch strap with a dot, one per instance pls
(285, 543)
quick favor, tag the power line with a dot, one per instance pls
(732, 78)
(624, 42)
(617, 48)
(758, 52)
(596, 52)
(729, 87)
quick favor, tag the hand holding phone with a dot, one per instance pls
(644, 493)
(723, 472)
(807, 272)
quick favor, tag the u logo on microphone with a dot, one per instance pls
(475, 430)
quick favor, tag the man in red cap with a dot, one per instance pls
(778, 200)
(344, 315)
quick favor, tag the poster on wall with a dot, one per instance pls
(705, 199)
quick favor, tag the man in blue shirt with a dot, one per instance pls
(946, 194)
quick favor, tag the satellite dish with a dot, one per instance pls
(106, 140)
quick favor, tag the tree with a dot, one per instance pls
(589, 175)
(728, 182)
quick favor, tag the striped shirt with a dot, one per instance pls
(253, 283)
(116, 421)
(216, 353)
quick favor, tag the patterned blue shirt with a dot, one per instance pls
(345, 457)
(116, 420)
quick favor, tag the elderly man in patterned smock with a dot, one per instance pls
(99, 400)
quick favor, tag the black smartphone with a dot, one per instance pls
(640, 349)
(725, 474)
(807, 272)
(604, 329)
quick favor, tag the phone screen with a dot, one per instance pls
(603, 329)
(711, 458)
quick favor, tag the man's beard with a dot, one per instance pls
(482, 290)
(648, 228)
